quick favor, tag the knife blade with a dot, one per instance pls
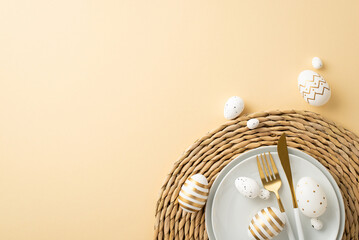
(284, 159)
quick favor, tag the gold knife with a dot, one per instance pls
(284, 159)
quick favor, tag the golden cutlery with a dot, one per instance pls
(284, 159)
(271, 181)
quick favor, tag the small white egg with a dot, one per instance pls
(252, 123)
(193, 194)
(311, 197)
(233, 107)
(316, 223)
(264, 194)
(248, 187)
(270, 220)
(317, 63)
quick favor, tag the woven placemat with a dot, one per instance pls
(333, 146)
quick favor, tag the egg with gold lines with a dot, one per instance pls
(313, 88)
(194, 193)
(266, 224)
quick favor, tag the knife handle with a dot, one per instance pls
(289, 228)
(298, 224)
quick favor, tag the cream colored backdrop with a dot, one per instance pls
(99, 98)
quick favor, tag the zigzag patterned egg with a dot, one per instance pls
(194, 193)
(313, 87)
(266, 224)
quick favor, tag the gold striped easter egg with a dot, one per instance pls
(266, 224)
(194, 193)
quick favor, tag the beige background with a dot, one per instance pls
(99, 98)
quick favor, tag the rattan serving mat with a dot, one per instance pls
(335, 147)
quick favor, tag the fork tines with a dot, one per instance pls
(270, 170)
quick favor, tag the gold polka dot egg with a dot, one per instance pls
(266, 224)
(311, 197)
(194, 193)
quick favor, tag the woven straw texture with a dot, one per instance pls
(335, 147)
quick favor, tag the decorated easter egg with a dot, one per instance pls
(264, 194)
(266, 224)
(248, 187)
(233, 107)
(316, 223)
(313, 87)
(252, 123)
(317, 63)
(311, 198)
(194, 193)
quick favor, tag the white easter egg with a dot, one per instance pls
(266, 224)
(313, 87)
(252, 123)
(316, 223)
(233, 107)
(317, 63)
(264, 194)
(248, 187)
(311, 198)
(194, 193)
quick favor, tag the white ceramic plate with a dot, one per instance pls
(230, 212)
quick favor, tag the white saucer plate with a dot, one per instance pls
(228, 212)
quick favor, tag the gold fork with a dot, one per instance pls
(272, 182)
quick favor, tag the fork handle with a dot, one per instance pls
(280, 204)
(289, 228)
(287, 223)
